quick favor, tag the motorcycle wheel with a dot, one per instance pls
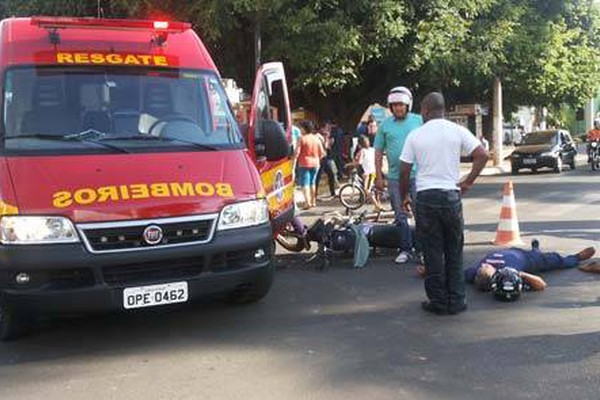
(291, 241)
(594, 162)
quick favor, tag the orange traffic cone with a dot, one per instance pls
(507, 233)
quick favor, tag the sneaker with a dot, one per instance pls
(417, 257)
(402, 258)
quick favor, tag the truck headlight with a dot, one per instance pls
(547, 154)
(515, 155)
(23, 229)
(244, 214)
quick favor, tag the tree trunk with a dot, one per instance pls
(498, 130)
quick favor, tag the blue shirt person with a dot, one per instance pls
(390, 139)
(527, 262)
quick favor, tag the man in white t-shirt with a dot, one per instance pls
(436, 148)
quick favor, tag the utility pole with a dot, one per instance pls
(498, 131)
(589, 115)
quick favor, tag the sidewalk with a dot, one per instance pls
(505, 168)
(489, 170)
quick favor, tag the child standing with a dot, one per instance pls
(365, 158)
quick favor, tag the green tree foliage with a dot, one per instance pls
(554, 56)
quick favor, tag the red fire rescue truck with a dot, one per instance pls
(125, 180)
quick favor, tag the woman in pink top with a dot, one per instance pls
(308, 156)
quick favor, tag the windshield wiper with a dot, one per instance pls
(159, 139)
(37, 136)
(79, 137)
(87, 134)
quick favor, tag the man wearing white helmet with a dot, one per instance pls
(390, 138)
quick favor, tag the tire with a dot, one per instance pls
(13, 326)
(514, 170)
(594, 162)
(290, 240)
(352, 197)
(251, 292)
(558, 165)
(572, 163)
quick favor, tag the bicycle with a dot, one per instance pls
(352, 195)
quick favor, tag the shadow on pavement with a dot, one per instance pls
(342, 328)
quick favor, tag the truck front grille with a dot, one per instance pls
(176, 269)
(121, 236)
(153, 272)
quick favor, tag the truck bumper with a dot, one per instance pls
(68, 279)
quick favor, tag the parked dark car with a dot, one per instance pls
(552, 149)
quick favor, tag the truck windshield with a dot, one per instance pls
(100, 109)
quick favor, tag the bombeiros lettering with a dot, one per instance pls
(86, 196)
(112, 59)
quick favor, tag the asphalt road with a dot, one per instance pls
(349, 334)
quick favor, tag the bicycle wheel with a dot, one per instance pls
(352, 196)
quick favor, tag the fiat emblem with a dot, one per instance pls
(153, 234)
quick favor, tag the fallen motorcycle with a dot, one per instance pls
(339, 235)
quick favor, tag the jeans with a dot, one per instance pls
(400, 217)
(544, 262)
(328, 166)
(339, 165)
(440, 234)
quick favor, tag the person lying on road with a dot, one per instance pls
(527, 263)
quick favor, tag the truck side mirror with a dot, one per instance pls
(273, 144)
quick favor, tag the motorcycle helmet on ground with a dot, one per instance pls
(400, 94)
(506, 284)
